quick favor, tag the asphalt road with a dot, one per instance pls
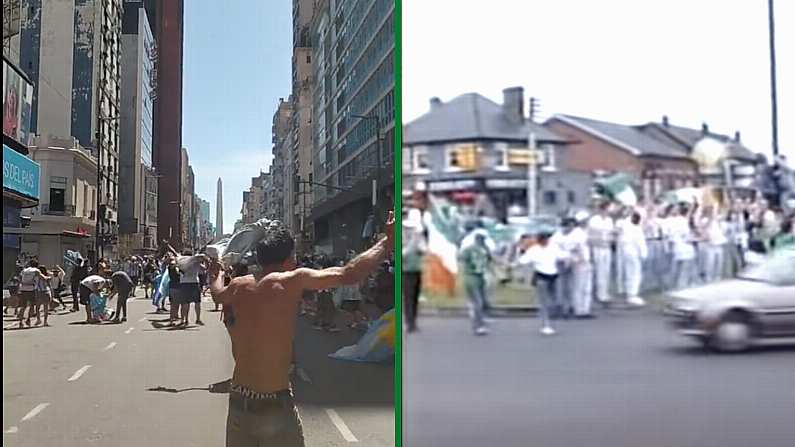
(621, 380)
(107, 402)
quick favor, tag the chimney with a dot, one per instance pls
(513, 103)
(435, 103)
(704, 128)
(665, 120)
(737, 136)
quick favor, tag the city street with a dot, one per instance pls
(79, 385)
(620, 380)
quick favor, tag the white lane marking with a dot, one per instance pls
(38, 409)
(12, 429)
(303, 375)
(79, 373)
(142, 319)
(109, 346)
(129, 330)
(341, 426)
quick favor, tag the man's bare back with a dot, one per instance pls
(261, 326)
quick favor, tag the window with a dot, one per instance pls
(572, 197)
(308, 58)
(453, 159)
(57, 199)
(501, 155)
(420, 161)
(550, 197)
(57, 194)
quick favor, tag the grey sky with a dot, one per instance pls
(617, 60)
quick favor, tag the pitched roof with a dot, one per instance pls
(692, 136)
(472, 117)
(629, 138)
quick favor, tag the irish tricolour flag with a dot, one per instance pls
(444, 227)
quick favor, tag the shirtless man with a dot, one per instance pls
(260, 314)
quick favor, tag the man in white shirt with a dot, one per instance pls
(601, 233)
(545, 257)
(632, 243)
(190, 266)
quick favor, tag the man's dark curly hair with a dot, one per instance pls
(277, 245)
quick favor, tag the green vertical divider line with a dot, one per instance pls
(398, 198)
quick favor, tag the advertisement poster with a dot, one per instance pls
(17, 99)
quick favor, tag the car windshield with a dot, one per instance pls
(779, 270)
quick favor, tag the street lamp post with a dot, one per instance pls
(377, 185)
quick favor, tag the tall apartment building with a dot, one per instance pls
(298, 199)
(167, 133)
(137, 181)
(281, 154)
(255, 199)
(185, 205)
(354, 72)
(72, 52)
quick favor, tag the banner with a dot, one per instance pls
(17, 100)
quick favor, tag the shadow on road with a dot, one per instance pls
(699, 351)
(337, 382)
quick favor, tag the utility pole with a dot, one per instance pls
(377, 181)
(773, 96)
(532, 175)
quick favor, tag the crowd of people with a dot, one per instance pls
(354, 303)
(614, 253)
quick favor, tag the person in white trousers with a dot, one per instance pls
(576, 280)
(601, 232)
(715, 247)
(633, 251)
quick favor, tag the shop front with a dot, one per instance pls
(20, 190)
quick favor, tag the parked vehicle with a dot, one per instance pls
(732, 315)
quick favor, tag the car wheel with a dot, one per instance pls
(734, 333)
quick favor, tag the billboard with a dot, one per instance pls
(17, 100)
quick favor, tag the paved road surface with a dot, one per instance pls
(111, 366)
(620, 380)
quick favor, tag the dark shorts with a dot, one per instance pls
(85, 295)
(191, 292)
(175, 293)
(27, 298)
(43, 297)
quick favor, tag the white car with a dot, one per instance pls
(733, 314)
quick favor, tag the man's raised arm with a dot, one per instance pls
(355, 271)
(215, 275)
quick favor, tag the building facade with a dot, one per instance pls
(659, 156)
(281, 177)
(167, 132)
(137, 182)
(72, 50)
(353, 118)
(65, 218)
(475, 151)
(21, 174)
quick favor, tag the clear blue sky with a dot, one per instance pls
(236, 67)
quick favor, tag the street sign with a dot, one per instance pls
(523, 157)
